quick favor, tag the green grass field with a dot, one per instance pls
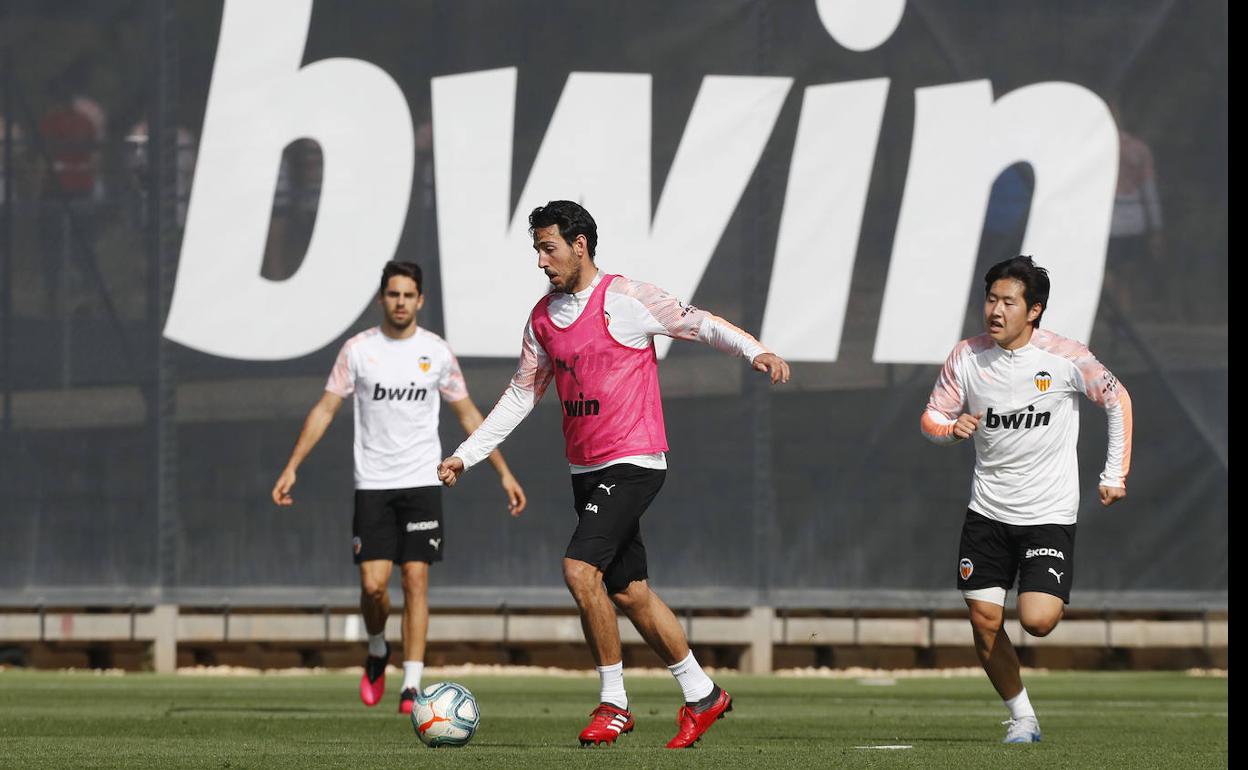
(61, 720)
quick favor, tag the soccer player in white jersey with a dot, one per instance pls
(1015, 391)
(593, 335)
(396, 372)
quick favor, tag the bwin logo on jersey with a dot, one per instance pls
(1043, 380)
(581, 407)
(1034, 552)
(1028, 419)
(410, 393)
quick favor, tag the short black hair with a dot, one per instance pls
(572, 220)
(396, 267)
(1035, 281)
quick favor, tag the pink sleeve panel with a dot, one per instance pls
(1090, 375)
(678, 320)
(534, 372)
(671, 316)
(342, 378)
(946, 402)
(452, 385)
(1103, 389)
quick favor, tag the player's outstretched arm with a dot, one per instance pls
(654, 311)
(470, 419)
(773, 365)
(314, 427)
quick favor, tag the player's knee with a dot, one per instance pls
(986, 624)
(1039, 625)
(374, 590)
(415, 582)
(580, 576)
(1039, 629)
(986, 633)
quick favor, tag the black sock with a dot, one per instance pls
(706, 702)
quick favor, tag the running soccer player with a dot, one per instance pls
(396, 371)
(1014, 390)
(593, 335)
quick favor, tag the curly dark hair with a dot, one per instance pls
(572, 220)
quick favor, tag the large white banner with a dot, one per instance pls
(597, 150)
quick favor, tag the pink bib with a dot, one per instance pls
(609, 392)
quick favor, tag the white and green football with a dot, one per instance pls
(445, 714)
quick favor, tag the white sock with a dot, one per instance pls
(377, 645)
(412, 669)
(1020, 706)
(693, 681)
(612, 685)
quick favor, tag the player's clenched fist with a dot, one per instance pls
(1111, 495)
(449, 470)
(281, 490)
(966, 425)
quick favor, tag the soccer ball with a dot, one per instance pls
(445, 714)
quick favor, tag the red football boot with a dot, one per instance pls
(406, 699)
(695, 720)
(606, 723)
(373, 682)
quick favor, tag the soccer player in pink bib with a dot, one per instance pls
(397, 373)
(593, 334)
(1015, 391)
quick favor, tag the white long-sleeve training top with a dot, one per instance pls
(1027, 401)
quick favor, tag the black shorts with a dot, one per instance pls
(400, 525)
(609, 504)
(991, 553)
